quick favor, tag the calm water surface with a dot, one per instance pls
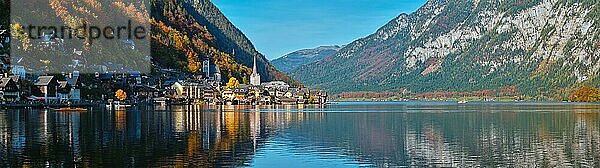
(337, 135)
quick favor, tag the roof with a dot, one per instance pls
(4, 82)
(129, 42)
(73, 80)
(64, 87)
(15, 78)
(16, 59)
(288, 100)
(106, 76)
(62, 84)
(169, 82)
(77, 52)
(304, 91)
(44, 80)
(242, 86)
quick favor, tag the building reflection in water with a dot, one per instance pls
(245, 136)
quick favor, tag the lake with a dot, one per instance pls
(345, 134)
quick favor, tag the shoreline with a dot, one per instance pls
(456, 101)
(334, 102)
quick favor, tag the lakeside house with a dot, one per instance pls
(48, 86)
(275, 85)
(188, 91)
(228, 96)
(9, 90)
(211, 96)
(64, 88)
(73, 92)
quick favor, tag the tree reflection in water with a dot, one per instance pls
(439, 135)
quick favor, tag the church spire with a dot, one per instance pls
(255, 76)
(254, 66)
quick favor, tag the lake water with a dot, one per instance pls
(337, 135)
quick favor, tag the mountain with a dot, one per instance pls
(231, 40)
(223, 43)
(291, 61)
(540, 47)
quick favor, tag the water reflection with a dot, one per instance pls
(430, 134)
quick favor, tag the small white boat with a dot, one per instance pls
(463, 102)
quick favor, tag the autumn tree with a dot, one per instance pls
(121, 95)
(18, 33)
(586, 94)
(233, 83)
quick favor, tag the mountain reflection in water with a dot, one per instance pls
(338, 135)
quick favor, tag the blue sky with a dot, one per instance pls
(278, 27)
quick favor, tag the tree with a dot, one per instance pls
(233, 83)
(586, 94)
(121, 95)
(18, 33)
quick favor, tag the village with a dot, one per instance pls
(66, 90)
(19, 89)
(113, 83)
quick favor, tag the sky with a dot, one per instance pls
(278, 27)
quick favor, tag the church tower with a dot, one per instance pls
(254, 77)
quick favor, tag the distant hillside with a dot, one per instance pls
(539, 46)
(291, 61)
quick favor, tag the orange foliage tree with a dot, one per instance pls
(121, 95)
(586, 94)
(233, 83)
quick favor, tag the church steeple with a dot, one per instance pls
(254, 66)
(255, 76)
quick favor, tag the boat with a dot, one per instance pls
(69, 109)
(463, 102)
